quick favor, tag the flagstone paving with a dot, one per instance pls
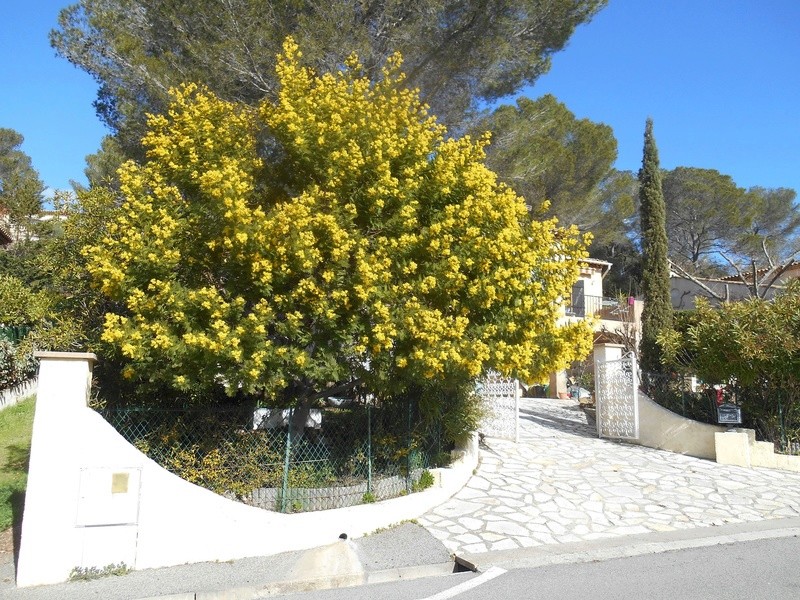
(561, 483)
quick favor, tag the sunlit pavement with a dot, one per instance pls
(561, 483)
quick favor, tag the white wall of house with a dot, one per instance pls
(591, 279)
(684, 291)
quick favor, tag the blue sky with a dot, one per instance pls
(721, 79)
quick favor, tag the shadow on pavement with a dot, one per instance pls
(551, 421)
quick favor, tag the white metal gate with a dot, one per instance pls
(501, 403)
(616, 398)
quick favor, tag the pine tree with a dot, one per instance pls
(657, 313)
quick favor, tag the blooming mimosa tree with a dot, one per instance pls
(334, 237)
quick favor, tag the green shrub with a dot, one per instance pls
(753, 347)
(452, 406)
(16, 365)
(425, 481)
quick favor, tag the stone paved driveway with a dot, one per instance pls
(561, 483)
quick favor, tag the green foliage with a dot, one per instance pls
(44, 328)
(657, 312)
(752, 345)
(19, 305)
(717, 228)
(20, 260)
(615, 235)
(425, 481)
(26, 321)
(457, 52)
(20, 186)
(16, 426)
(772, 227)
(625, 277)
(102, 166)
(704, 209)
(63, 266)
(368, 498)
(16, 366)
(453, 406)
(562, 166)
(555, 161)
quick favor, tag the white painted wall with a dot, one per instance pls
(592, 278)
(739, 447)
(10, 396)
(93, 499)
(684, 292)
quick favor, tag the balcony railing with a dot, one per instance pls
(608, 309)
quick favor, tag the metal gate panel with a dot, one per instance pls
(616, 397)
(501, 403)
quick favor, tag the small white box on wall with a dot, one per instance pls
(108, 496)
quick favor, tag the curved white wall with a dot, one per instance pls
(661, 428)
(93, 499)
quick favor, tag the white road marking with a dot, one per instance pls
(468, 585)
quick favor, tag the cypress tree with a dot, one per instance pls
(657, 313)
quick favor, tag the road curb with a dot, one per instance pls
(630, 545)
(289, 586)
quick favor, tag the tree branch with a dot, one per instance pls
(686, 275)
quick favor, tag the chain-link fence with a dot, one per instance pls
(679, 394)
(287, 459)
(773, 411)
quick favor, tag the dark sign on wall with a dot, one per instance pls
(729, 414)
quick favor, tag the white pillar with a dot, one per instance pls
(558, 385)
(52, 492)
(517, 396)
(606, 352)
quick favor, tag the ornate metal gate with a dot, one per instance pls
(501, 402)
(616, 397)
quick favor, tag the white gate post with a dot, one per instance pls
(47, 547)
(517, 395)
(603, 353)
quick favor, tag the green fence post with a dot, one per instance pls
(438, 439)
(369, 448)
(408, 447)
(780, 424)
(285, 485)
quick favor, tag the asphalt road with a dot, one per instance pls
(761, 569)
